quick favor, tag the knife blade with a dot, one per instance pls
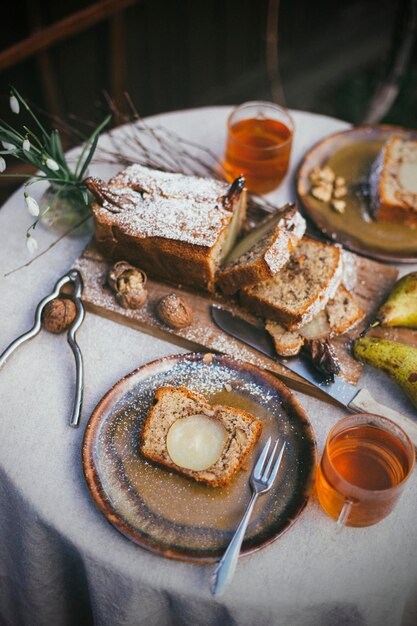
(354, 399)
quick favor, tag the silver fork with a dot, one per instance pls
(261, 481)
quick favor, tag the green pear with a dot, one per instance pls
(400, 308)
(398, 360)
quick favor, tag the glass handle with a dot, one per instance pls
(344, 512)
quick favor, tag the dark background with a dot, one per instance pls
(176, 54)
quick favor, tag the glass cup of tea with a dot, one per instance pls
(364, 467)
(258, 145)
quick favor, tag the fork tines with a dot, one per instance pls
(266, 474)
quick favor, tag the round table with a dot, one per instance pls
(61, 562)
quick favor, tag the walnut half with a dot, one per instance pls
(129, 284)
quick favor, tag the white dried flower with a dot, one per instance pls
(26, 145)
(31, 243)
(2, 164)
(53, 165)
(8, 146)
(14, 104)
(31, 205)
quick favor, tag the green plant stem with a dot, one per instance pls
(23, 101)
(91, 140)
(32, 134)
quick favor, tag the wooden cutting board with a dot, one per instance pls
(370, 284)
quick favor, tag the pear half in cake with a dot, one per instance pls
(263, 251)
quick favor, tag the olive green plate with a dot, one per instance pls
(175, 516)
(350, 154)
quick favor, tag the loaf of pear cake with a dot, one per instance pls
(208, 443)
(263, 251)
(176, 228)
(393, 182)
(341, 314)
(301, 289)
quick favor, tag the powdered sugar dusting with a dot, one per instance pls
(170, 185)
(202, 332)
(152, 203)
(290, 233)
(172, 511)
(349, 270)
(274, 246)
(180, 219)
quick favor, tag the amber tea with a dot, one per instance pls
(259, 145)
(364, 466)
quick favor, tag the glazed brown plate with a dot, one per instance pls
(350, 154)
(172, 515)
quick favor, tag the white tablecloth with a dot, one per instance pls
(61, 562)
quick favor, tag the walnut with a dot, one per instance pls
(241, 437)
(174, 311)
(129, 284)
(339, 205)
(322, 192)
(340, 192)
(319, 175)
(314, 176)
(327, 174)
(58, 315)
(329, 188)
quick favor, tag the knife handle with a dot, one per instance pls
(364, 402)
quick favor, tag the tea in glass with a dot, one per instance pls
(259, 138)
(365, 465)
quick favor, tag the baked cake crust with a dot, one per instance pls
(174, 227)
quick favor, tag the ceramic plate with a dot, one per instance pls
(175, 516)
(350, 154)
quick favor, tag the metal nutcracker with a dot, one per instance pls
(74, 277)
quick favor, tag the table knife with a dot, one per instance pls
(353, 398)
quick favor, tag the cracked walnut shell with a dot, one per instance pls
(128, 283)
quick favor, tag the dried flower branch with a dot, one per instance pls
(135, 141)
(35, 246)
